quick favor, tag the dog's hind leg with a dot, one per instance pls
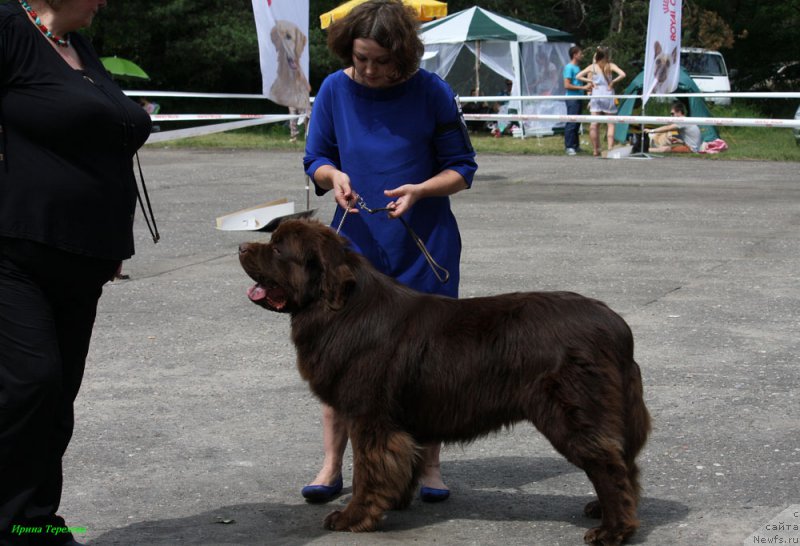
(583, 416)
(384, 469)
(604, 463)
(636, 429)
(617, 498)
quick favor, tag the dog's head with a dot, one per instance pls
(663, 61)
(289, 42)
(304, 263)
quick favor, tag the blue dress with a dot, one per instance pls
(384, 138)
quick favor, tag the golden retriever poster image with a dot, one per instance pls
(282, 27)
(662, 57)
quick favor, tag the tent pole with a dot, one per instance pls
(641, 140)
(477, 67)
(517, 67)
(641, 154)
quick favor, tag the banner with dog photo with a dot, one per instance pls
(282, 28)
(662, 58)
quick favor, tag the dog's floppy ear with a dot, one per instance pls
(274, 36)
(337, 278)
(674, 54)
(657, 48)
(299, 43)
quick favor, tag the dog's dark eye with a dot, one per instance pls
(276, 250)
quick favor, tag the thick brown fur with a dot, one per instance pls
(405, 369)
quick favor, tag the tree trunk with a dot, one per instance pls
(617, 10)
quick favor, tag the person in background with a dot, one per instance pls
(410, 153)
(574, 107)
(503, 127)
(149, 106)
(475, 126)
(689, 138)
(294, 123)
(67, 202)
(603, 75)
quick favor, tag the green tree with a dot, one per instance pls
(187, 45)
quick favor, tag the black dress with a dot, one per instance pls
(67, 199)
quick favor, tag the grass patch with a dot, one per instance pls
(745, 143)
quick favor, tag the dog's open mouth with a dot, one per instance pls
(273, 296)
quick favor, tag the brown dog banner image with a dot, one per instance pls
(282, 28)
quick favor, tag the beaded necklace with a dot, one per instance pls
(46, 31)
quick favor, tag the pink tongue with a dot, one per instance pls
(256, 292)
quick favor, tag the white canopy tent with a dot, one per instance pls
(459, 46)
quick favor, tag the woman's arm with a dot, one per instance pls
(443, 184)
(328, 177)
(620, 74)
(582, 74)
(321, 161)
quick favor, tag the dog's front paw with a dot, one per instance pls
(349, 520)
(333, 521)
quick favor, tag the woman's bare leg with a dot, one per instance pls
(594, 136)
(610, 135)
(431, 470)
(334, 442)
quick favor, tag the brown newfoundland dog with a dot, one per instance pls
(406, 369)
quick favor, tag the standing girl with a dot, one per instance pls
(603, 75)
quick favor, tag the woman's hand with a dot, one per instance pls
(404, 198)
(342, 192)
(443, 184)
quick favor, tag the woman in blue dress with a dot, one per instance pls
(385, 131)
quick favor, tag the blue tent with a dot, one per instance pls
(697, 106)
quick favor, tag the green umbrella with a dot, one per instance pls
(123, 68)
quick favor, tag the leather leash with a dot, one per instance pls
(441, 274)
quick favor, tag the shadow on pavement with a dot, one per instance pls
(300, 523)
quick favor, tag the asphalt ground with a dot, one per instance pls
(194, 427)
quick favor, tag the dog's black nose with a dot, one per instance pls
(244, 248)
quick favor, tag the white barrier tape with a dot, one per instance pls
(182, 94)
(202, 130)
(137, 93)
(639, 120)
(753, 95)
(207, 117)
(500, 98)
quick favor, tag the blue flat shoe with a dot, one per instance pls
(322, 493)
(430, 494)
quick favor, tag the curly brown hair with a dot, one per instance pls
(390, 23)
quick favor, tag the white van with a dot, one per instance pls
(708, 71)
